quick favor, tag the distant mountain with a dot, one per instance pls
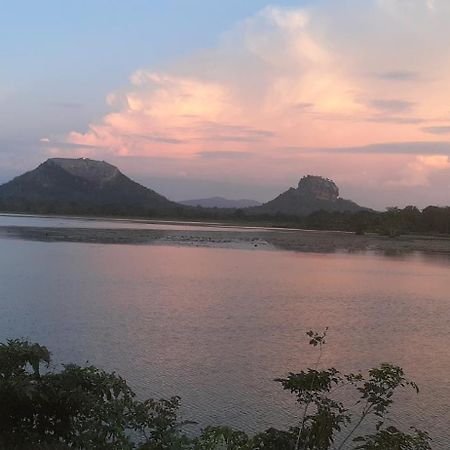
(79, 185)
(313, 193)
(220, 202)
(85, 186)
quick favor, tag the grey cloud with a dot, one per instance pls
(405, 148)
(159, 138)
(437, 130)
(231, 138)
(398, 75)
(395, 119)
(412, 148)
(382, 116)
(391, 105)
(224, 154)
(304, 105)
(234, 133)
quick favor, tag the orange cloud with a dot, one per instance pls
(315, 77)
(417, 172)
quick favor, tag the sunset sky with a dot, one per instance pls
(234, 98)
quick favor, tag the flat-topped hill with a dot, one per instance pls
(66, 185)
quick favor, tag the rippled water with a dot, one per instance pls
(215, 326)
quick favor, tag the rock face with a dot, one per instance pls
(64, 185)
(318, 187)
(220, 202)
(314, 193)
(94, 171)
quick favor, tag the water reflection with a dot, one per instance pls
(216, 326)
(20, 220)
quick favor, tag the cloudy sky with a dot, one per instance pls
(196, 98)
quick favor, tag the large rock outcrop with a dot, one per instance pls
(313, 193)
(66, 185)
(318, 187)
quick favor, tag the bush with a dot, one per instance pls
(88, 408)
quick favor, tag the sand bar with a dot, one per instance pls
(264, 239)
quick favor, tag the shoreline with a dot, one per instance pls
(262, 239)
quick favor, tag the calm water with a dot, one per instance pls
(215, 326)
(81, 222)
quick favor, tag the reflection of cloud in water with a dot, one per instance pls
(216, 326)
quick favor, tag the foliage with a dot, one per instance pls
(392, 438)
(81, 407)
(88, 408)
(328, 423)
(392, 222)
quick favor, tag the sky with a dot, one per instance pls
(240, 99)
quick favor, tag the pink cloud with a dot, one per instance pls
(316, 77)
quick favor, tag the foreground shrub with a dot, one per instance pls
(88, 408)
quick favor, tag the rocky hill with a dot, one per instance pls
(313, 193)
(64, 185)
(85, 186)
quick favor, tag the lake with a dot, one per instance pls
(217, 325)
(84, 222)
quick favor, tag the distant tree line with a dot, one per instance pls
(392, 222)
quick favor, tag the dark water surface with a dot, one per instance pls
(215, 326)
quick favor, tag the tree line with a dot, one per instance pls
(392, 222)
